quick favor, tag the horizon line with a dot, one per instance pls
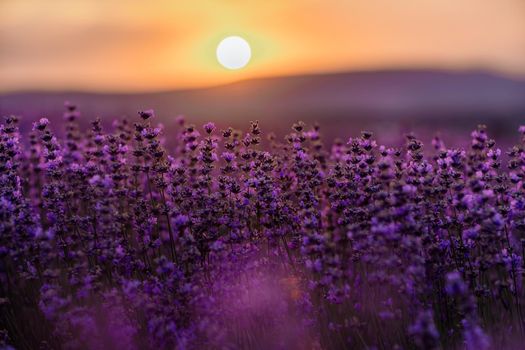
(518, 77)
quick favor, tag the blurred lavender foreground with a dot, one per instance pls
(111, 240)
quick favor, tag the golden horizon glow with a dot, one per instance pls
(131, 45)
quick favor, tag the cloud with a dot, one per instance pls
(77, 43)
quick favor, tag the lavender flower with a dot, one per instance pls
(122, 238)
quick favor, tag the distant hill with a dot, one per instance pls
(411, 97)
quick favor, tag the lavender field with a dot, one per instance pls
(112, 238)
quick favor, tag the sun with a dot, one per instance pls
(234, 52)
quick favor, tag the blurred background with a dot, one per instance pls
(388, 66)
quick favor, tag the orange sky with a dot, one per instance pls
(130, 45)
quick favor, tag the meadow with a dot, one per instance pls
(110, 239)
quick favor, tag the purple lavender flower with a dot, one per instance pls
(147, 114)
(121, 238)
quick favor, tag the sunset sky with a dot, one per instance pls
(136, 45)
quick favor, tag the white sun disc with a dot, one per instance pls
(234, 52)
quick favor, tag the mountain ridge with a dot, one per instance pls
(424, 96)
